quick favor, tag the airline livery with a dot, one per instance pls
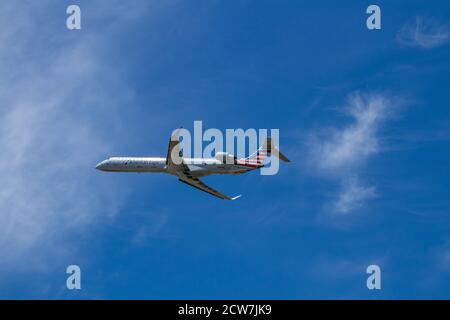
(188, 170)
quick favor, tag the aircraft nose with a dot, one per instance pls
(101, 165)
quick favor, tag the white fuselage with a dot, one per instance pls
(198, 167)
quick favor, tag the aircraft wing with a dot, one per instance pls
(196, 183)
(175, 162)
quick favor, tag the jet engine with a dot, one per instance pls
(226, 157)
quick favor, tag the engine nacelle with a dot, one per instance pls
(225, 157)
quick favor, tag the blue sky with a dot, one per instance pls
(362, 114)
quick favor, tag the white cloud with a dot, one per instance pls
(352, 196)
(352, 144)
(56, 96)
(339, 153)
(423, 33)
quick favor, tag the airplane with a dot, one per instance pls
(188, 170)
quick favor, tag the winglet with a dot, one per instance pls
(237, 197)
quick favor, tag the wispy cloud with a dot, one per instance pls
(352, 144)
(55, 88)
(352, 196)
(424, 33)
(340, 152)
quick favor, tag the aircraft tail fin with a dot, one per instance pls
(266, 150)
